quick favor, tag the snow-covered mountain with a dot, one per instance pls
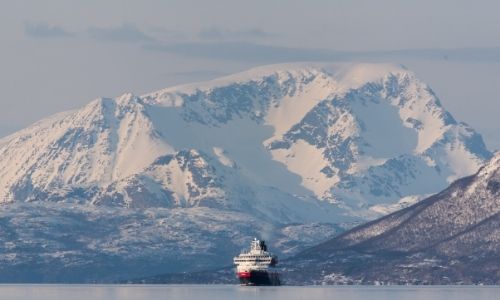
(359, 136)
(291, 147)
(451, 237)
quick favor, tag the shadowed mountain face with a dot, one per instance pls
(451, 237)
(291, 153)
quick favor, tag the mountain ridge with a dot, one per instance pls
(449, 238)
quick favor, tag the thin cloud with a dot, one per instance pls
(460, 54)
(125, 33)
(44, 30)
(165, 34)
(243, 51)
(221, 34)
(252, 52)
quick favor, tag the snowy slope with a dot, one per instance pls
(61, 242)
(288, 145)
(451, 237)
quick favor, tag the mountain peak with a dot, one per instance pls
(350, 75)
(358, 136)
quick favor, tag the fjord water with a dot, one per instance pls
(223, 292)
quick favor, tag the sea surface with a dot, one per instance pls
(222, 292)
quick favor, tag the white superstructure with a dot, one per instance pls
(256, 259)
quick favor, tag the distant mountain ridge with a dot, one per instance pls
(293, 153)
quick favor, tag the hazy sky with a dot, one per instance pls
(59, 55)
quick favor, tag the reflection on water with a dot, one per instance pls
(222, 292)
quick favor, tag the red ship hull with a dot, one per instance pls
(259, 278)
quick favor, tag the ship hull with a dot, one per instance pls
(259, 278)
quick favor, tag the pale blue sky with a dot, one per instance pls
(58, 55)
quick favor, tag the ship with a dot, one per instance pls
(257, 266)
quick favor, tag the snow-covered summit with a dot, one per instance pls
(344, 120)
(359, 136)
(351, 75)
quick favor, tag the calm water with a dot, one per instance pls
(203, 292)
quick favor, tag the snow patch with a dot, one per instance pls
(307, 160)
(223, 158)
